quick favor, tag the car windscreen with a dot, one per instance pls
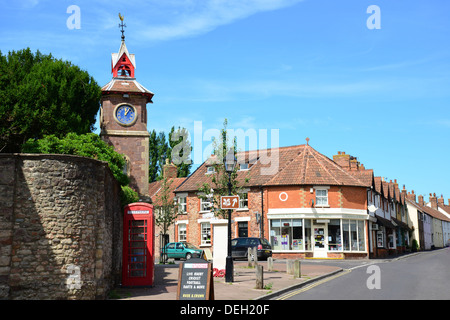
(190, 246)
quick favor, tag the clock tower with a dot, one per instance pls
(123, 116)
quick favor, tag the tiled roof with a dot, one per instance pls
(297, 165)
(154, 189)
(428, 210)
(126, 85)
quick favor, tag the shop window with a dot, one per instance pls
(391, 242)
(243, 229)
(334, 235)
(290, 234)
(380, 239)
(182, 232)
(353, 235)
(206, 233)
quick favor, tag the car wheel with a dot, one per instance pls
(188, 256)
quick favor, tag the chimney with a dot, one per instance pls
(421, 200)
(411, 196)
(433, 201)
(441, 201)
(354, 164)
(404, 191)
(342, 159)
(169, 170)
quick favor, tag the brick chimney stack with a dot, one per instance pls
(441, 201)
(342, 159)
(421, 200)
(404, 191)
(433, 201)
(411, 196)
(169, 170)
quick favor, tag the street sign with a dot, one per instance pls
(229, 202)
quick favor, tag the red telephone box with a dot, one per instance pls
(138, 245)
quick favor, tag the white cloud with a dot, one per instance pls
(194, 19)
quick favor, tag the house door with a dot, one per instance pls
(320, 240)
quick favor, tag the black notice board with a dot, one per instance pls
(195, 280)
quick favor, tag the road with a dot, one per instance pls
(424, 276)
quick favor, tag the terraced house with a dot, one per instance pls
(311, 206)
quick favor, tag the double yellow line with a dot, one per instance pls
(315, 284)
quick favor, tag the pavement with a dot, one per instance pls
(276, 282)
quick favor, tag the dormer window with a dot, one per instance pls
(243, 166)
(210, 169)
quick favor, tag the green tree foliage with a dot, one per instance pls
(220, 179)
(40, 95)
(176, 147)
(180, 151)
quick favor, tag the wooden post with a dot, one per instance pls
(255, 256)
(289, 266)
(249, 257)
(270, 263)
(297, 269)
(259, 277)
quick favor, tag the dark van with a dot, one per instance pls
(239, 247)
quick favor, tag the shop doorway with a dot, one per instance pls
(320, 240)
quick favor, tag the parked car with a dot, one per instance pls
(181, 250)
(239, 247)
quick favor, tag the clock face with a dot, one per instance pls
(125, 114)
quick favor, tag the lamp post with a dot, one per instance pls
(230, 163)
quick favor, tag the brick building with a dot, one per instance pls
(310, 207)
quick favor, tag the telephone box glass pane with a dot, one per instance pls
(137, 248)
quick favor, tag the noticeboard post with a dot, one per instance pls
(195, 280)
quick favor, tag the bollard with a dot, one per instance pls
(255, 256)
(259, 277)
(297, 269)
(249, 257)
(289, 266)
(270, 264)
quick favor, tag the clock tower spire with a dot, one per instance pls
(123, 116)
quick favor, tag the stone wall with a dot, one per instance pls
(60, 227)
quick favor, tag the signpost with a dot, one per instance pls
(195, 280)
(229, 202)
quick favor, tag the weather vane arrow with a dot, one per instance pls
(121, 26)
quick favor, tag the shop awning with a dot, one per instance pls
(385, 222)
(401, 224)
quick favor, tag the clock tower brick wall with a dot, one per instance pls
(131, 141)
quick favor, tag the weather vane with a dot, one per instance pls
(122, 25)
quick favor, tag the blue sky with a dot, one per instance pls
(308, 68)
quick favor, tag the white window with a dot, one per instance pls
(205, 205)
(321, 197)
(243, 201)
(243, 166)
(210, 169)
(182, 232)
(181, 205)
(206, 233)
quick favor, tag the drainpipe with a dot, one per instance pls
(261, 223)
